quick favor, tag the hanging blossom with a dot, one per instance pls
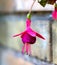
(28, 36)
(54, 13)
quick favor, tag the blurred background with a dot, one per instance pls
(12, 21)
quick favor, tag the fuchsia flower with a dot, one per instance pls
(54, 13)
(28, 36)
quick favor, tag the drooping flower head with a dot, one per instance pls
(29, 35)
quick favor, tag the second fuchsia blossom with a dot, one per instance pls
(54, 13)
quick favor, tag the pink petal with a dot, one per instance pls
(19, 34)
(23, 48)
(27, 47)
(54, 14)
(40, 36)
(28, 23)
(31, 32)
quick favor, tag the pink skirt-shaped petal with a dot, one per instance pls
(27, 38)
(31, 32)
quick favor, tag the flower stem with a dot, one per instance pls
(32, 6)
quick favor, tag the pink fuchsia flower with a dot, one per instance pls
(28, 36)
(54, 13)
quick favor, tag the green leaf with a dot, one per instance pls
(43, 2)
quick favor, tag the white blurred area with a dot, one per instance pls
(26, 4)
(23, 5)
